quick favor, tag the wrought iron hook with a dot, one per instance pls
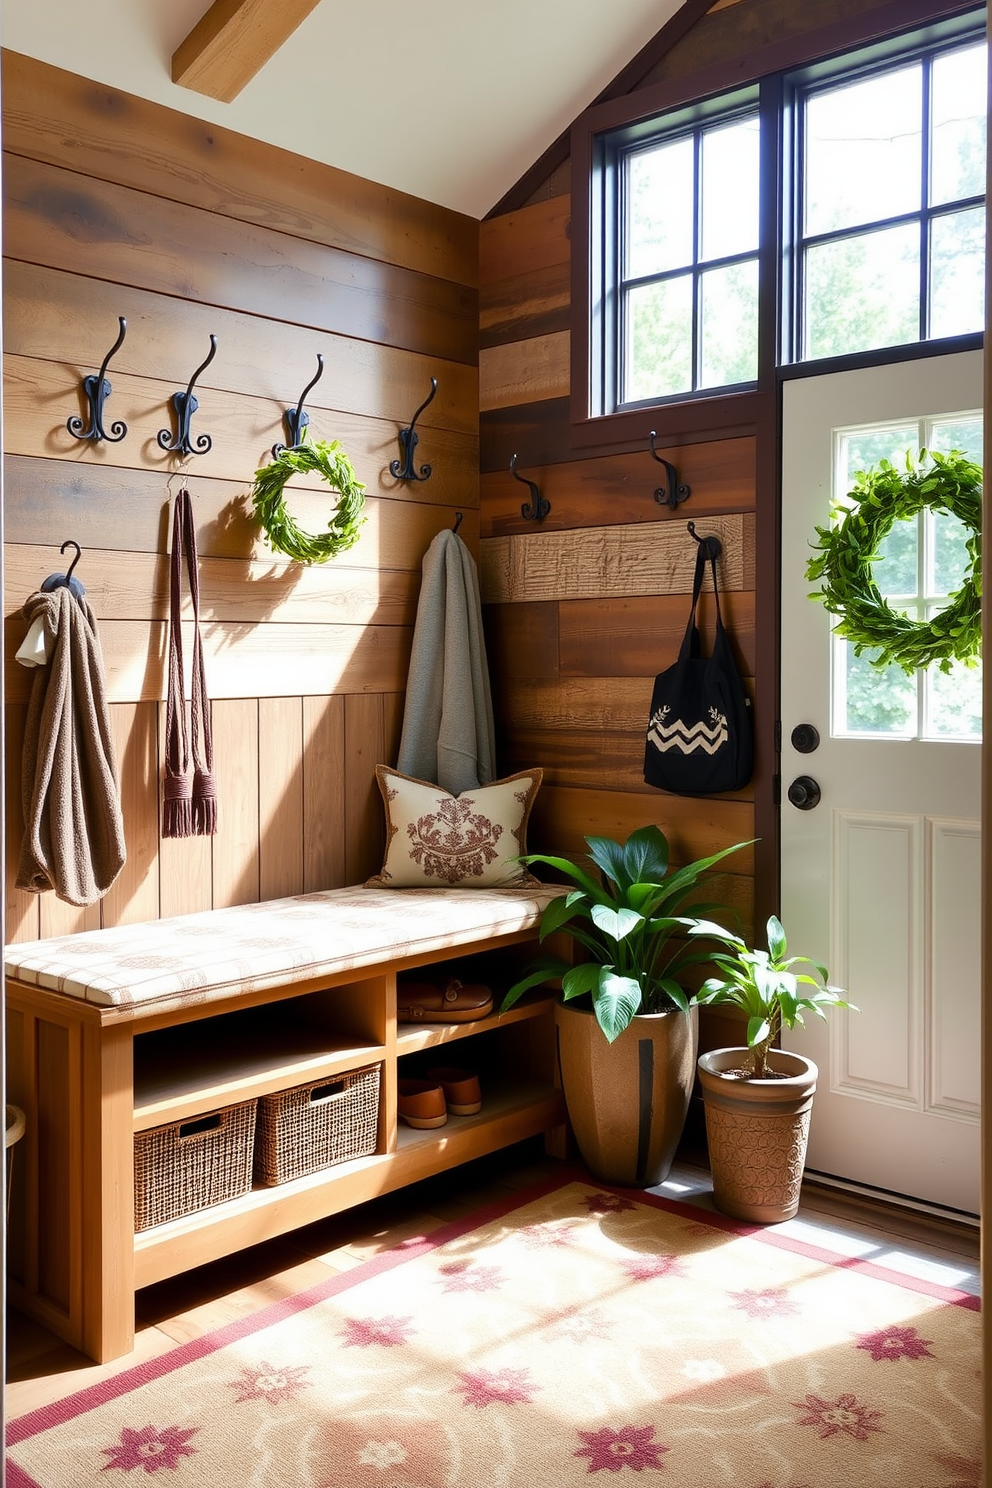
(97, 390)
(712, 546)
(409, 439)
(185, 405)
(60, 580)
(673, 492)
(297, 419)
(459, 518)
(538, 507)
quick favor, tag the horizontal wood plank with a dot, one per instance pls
(586, 760)
(639, 637)
(67, 221)
(538, 433)
(122, 510)
(242, 661)
(40, 396)
(135, 586)
(525, 371)
(608, 562)
(562, 818)
(66, 318)
(720, 474)
(68, 120)
(533, 304)
(521, 641)
(532, 238)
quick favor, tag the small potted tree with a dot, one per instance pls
(626, 1029)
(758, 1099)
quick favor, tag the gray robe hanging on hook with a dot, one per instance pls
(448, 732)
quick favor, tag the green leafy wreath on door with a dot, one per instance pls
(847, 550)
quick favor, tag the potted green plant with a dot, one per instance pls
(758, 1099)
(626, 1029)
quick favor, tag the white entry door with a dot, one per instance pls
(881, 879)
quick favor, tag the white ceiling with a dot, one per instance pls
(451, 100)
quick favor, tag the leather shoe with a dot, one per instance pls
(421, 1104)
(462, 1093)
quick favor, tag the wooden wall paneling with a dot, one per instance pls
(185, 863)
(129, 511)
(280, 796)
(135, 895)
(21, 909)
(639, 637)
(59, 918)
(324, 788)
(235, 847)
(537, 303)
(604, 562)
(521, 242)
(268, 660)
(40, 396)
(70, 320)
(135, 586)
(524, 371)
(521, 641)
(593, 759)
(68, 221)
(720, 474)
(365, 746)
(537, 432)
(67, 120)
(695, 827)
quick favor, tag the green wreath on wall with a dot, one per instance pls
(846, 551)
(282, 532)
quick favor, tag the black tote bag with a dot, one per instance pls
(700, 734)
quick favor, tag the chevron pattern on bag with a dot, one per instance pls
(679, 735)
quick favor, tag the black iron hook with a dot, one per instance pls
(538, 507)
(459, 518)
(297, 419)
(97, 390)
(712, 546)
(409, 439)
(185, 405)
(60, 580)
(673, 492)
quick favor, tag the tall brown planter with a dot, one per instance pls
(757, 1132)
(627, 1101)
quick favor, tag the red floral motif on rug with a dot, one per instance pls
(660, 1343)
(454, 843)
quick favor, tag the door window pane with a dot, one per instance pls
(957, 155)
(963, 434)
(874, 702)
(897, 566)
(863, 292)
(954, 703)
(957, 273)
(659, 339)
(863, 151)
(729, 309)
(660, 210)
(950, 553)
(730, 190)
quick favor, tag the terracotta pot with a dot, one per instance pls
(757, 1132)
(627, 1101)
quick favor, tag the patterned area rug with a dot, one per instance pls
(574, 1333)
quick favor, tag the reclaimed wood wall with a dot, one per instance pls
(115, 206)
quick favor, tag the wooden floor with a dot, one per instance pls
(42, 1369)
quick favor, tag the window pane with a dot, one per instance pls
(863, 448)
(661, 210)
(954, 702)
(896, 570)
(863, 160)
(957, 273)
(950, 553)
(730, 190)
(957, 434)
(957, 159)
(659, 339)
(877, 701)
(729, 308)
(863, 292)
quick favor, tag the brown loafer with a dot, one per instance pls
(462, 1093)
(421, 1104)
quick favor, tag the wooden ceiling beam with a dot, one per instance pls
(233, 41)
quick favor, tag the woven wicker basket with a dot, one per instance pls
(190, 1165)
(314, 1126)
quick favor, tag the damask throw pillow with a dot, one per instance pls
(472, 841)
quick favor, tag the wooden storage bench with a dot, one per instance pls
(119, 1031)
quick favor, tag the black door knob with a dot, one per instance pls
(805, 738)
(804, 793)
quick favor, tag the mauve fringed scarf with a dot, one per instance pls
(188, 810)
